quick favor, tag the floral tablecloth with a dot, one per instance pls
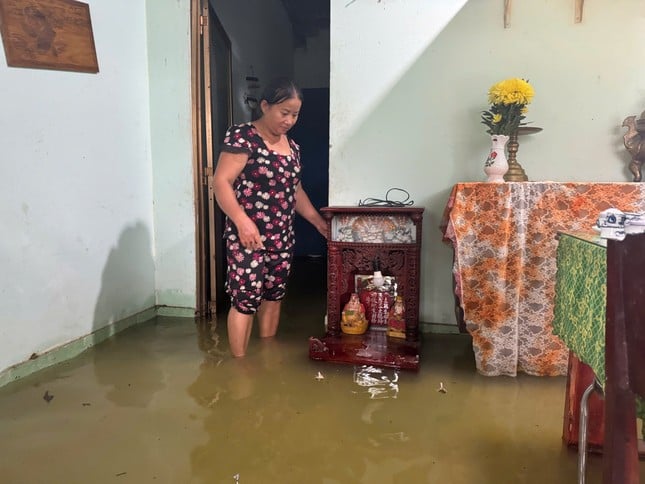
(504, 238)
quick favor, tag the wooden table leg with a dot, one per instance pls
(579, 377)
(620, 458)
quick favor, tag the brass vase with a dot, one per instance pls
(515, 171)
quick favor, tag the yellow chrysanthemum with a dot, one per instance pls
(508, 100)
(511, 91)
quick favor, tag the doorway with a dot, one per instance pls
(311, 132)
(212, 82)
(221, 101)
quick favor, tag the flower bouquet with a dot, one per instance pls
(508, 100)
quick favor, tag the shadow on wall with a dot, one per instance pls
(177, 261)
(127, 288)
(127, 282)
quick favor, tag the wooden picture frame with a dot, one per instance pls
(48, 34)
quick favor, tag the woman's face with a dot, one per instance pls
(281, 117)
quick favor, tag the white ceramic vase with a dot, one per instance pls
(496, 164)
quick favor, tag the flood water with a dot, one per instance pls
(164, 402)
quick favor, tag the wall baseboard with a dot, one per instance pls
(176, 311)
(438, 328)
(74, 348)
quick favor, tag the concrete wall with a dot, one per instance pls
(96, 193)
(86, 240)
(169, 58)
(410, 78)
(76, 191)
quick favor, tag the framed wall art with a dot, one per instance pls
(48, 34)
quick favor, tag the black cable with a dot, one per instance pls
(376, 202)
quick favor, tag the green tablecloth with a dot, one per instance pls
(580, 300)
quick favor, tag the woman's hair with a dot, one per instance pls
(279, 90)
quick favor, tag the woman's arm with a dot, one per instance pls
(306, 210)
(229, 166)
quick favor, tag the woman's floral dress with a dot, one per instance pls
(266, 190)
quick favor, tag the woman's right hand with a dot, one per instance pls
(249, 234)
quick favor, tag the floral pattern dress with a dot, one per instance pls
(266, 190)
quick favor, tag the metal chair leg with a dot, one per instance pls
(582, 434)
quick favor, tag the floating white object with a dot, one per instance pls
(441, 388)
(378, 385)
(319, 376)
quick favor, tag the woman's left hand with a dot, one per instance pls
(321, 226)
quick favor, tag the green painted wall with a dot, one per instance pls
(408, 110)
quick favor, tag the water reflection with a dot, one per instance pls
(128, 384)
(127, 364)
(245, 405)
(208, 340)
(268, 418)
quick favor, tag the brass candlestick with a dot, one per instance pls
(515, 171)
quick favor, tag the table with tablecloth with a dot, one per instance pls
(579, 313)
(504, 241)
(581, 295)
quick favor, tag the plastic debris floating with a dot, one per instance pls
(378, 385)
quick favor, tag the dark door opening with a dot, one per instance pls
(216, 86)
(311, 132)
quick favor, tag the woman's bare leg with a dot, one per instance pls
(239, 331)
(268, 318)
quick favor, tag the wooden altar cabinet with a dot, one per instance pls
(504, 241)
(357, 237)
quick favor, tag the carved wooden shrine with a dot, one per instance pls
(359, 237)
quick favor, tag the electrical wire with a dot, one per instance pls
(376, 202)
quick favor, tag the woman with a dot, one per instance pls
(257, 185)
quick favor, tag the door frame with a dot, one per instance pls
(207, 222)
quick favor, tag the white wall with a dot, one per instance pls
(89, 241)
(169, 63)
(262, 45)
(408, 83)
(372, 45)
(76, 191)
